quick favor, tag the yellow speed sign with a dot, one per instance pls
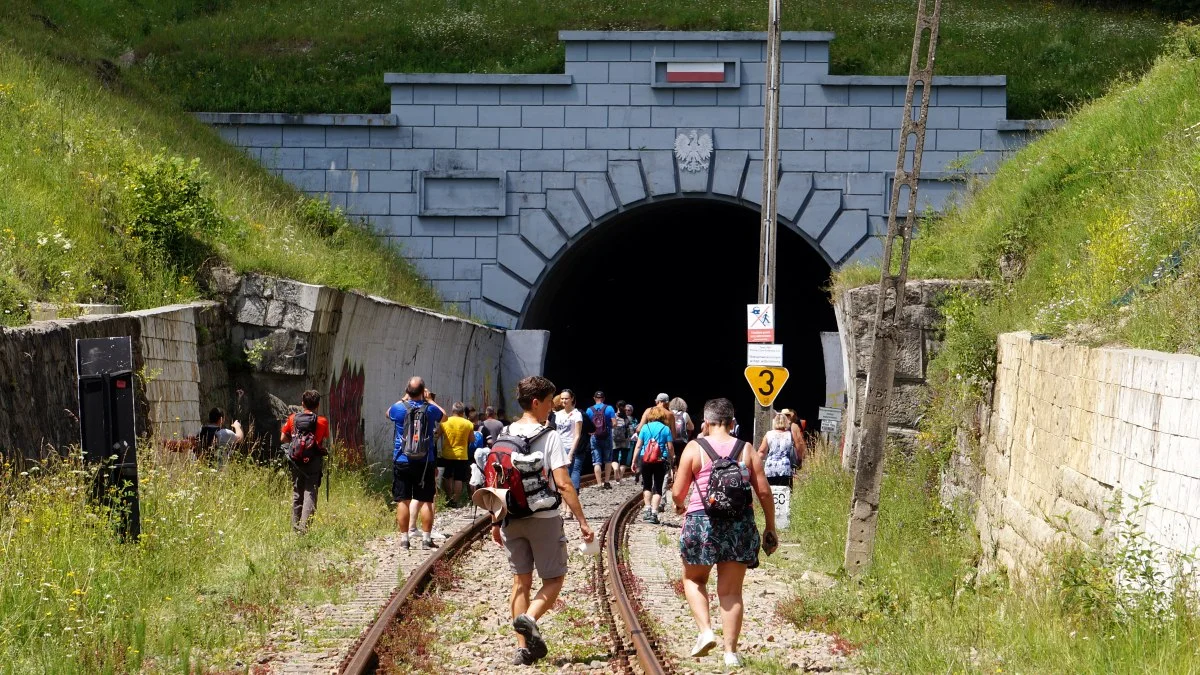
(766, 381)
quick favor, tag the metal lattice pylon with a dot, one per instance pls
(889, 307)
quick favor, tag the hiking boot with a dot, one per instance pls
(705, 642)
(647, 515)
(527, 628)
(607, 486)
(653, 519)
(522, 657)
(662, 506)
(426, 544)
(404, 543)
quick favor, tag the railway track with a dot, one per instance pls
(634, 646)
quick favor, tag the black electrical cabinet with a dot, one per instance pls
(106, 424)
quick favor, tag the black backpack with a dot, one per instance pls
(728, 494)
(207, 438)
(304, 438)
(418, 430)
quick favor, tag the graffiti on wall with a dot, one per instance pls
(345, 411)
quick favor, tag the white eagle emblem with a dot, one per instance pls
(693, 150)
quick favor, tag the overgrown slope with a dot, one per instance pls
(1089, 232)
(110, 193)
(320, 56)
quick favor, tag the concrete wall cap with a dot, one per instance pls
(902, 80)
(1029, 125)
(476, 78)
(288, 119)
(690, 36)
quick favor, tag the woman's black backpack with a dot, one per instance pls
(728, 494)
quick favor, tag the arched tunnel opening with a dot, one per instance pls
(654, 300)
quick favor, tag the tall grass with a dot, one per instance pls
(216, 563)
(74, 155)
(315, 56)
(925, 607)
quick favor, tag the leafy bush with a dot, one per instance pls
(317, 216)
(169, 209)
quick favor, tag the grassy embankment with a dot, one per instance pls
(314, 56)
(925, 608)
(1086, 235)
(216, 565)
(113, 194)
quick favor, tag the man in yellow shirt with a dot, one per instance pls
(458, 433)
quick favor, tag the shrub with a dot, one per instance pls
(169, 210)
(317, 216)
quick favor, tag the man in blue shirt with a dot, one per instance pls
(601, 416)
(413, 459)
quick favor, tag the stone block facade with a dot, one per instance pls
(1069, 426)
(485, 181)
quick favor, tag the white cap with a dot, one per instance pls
(662, 398)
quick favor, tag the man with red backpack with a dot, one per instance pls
(527, 467)
(305, 433)
(601, 416)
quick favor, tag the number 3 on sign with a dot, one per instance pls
(766, 383)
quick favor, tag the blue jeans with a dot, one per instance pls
(602, 451)
(577, 465)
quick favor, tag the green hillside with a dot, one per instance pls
(110, 194)
(320, 56)
(1088, 232)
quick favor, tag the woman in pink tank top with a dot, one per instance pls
(731, 543)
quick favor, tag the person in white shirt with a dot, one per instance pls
(569, 423)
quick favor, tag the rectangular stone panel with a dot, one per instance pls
(596, 194)
(504, 289)
(567, 211)
(793, 192)
(820, 210)
(847, 231)
(731, 72)
(515, 254)
(462, 193)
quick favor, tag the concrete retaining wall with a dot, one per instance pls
(1070, 426)
(359, 351)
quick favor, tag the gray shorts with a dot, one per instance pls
(536, 541)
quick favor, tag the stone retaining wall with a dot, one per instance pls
(920, 338)
(38, 376)
(1069, 427)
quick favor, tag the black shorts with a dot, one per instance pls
(785, 481)
(457, 469)
(413, 480)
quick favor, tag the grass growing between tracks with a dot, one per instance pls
(314, 56)
(925, 607)
(216, 565)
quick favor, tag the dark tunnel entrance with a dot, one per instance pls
(655, 300)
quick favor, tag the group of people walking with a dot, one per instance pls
(528, 473)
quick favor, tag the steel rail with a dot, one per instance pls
(361, 658)
(612, 539)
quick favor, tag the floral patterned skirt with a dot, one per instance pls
(704, 541)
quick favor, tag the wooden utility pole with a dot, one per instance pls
(889, 306)
(770, 185)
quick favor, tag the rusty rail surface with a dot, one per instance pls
(612, 539)
(362, 659)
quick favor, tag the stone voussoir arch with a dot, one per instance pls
(548, 235)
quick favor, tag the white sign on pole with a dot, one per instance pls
(830, 426)
(782, 496)
(764, 355)
(834, 414)
(760, 323)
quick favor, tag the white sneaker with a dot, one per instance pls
(705, 642)
(732, 660)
